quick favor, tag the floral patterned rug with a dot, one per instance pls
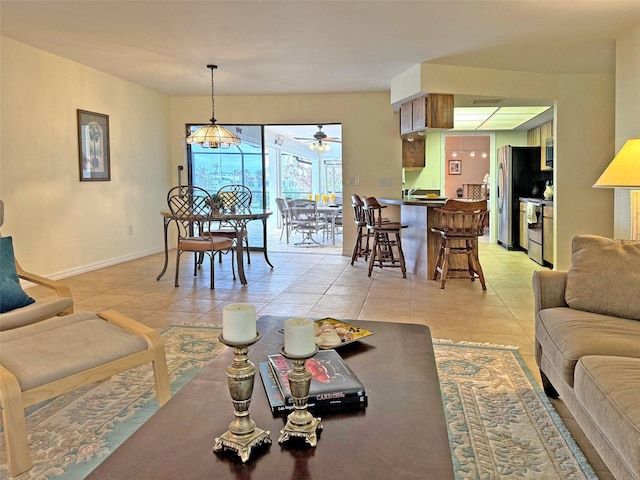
(72, 434)
(501, 424)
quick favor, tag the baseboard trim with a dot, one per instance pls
(96, 266)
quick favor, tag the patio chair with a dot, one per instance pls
(305, 220)
(285, 217)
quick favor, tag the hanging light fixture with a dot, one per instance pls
(213, 136)
(320, 146)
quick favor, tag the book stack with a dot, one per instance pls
(333, 383)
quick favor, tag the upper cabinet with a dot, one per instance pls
(537, 137)
(431, 111)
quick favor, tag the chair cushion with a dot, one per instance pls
(12, 295)
(603, 277)
(62, 346)
(32, 313)
(566, 334)
(607, 388)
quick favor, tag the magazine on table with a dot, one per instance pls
(333, 383)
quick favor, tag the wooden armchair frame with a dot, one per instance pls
(14, 401)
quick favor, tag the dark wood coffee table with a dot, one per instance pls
(401, 433)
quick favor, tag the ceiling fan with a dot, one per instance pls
(319, 141)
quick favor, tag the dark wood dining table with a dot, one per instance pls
(238, 220)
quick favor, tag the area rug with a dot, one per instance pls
(72, 434)
(500, 423)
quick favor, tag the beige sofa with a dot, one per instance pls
(588, 345)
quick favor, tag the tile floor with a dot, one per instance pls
(311, 282)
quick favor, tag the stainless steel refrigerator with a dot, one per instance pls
(519, 175)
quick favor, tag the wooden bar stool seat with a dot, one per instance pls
(386, 250)
(460, 223)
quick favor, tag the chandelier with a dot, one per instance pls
(213, 136)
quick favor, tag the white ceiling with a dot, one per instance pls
(300, 47)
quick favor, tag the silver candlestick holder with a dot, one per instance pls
(243, 435)
(300, 423)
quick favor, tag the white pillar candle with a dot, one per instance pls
(299, 337)
(239, 322)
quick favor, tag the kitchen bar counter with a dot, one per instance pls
(419, 244)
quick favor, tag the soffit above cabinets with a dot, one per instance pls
(495, 118)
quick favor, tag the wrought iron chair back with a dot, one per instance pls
(235, 197)
(187, 203)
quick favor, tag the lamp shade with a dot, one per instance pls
(213, 136)
(624, 169)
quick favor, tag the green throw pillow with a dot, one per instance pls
(12, 295)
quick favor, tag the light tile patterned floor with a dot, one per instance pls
(308, 282)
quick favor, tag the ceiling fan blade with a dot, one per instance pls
(332, 139)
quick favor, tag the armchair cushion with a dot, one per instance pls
(603, 277)
(32, 313)
(12, 295)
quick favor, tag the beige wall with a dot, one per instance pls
(61, 225)
(371, 147)
(627, 116)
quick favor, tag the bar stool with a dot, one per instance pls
(460, 224)
(386, 250)
(361, 247)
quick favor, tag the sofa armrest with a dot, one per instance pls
(61, 289)
(548, 289)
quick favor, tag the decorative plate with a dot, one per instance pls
(332, 333)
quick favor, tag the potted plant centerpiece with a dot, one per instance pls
(216, 203)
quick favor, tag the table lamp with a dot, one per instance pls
(624, 169)
(624, 172)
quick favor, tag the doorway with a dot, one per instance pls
(467, 164)
(305, 161)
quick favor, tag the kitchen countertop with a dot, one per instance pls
(414, 200)
(541, 201)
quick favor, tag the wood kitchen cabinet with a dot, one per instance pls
(524, 226)
(547, 234)
(546, 131)
(537, 137)
(431, 111)
(413, 153)
(406, 117)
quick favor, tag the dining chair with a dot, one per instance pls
(305, 220)
(235, 198)
(190, 209)
(285, 217)
(386, 249)
(460, 223)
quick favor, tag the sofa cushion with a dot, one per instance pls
(607, 388)
(604, 276)
(566, 334)
(11, 293)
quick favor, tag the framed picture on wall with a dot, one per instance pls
(93, 146)
(455, 167)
